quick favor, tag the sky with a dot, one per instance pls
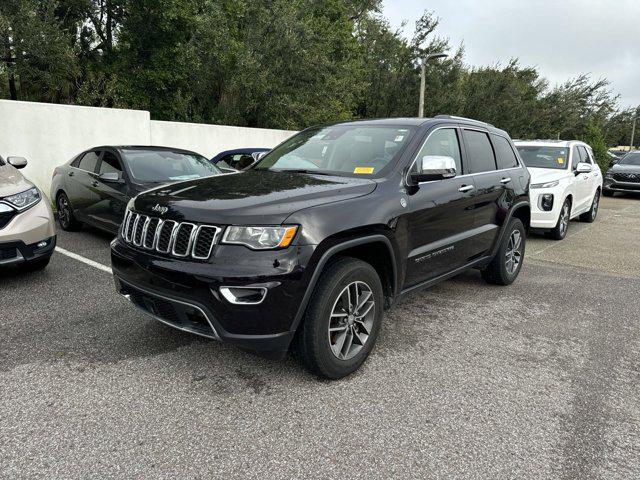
(563, 38)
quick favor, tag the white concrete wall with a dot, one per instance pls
(209, 140)
(49, 135)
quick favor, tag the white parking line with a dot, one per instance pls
(82, 259)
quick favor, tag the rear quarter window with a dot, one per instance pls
(505, 156)
(480, 151)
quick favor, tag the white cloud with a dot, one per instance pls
(563, 38)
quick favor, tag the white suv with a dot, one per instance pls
(566, 183)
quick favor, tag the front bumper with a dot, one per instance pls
(618, 186)
(15, 252)
(544, 219)
(186, 294)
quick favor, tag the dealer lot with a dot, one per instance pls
(540, 379)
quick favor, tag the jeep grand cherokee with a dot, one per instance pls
(311, 244)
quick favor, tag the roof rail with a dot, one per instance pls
(453, 117)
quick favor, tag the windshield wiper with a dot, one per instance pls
(301, 170)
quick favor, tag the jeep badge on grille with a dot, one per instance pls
(160, 209)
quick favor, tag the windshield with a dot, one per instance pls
(537, 156)
(346, 150)
(630, 159)
(167, 166)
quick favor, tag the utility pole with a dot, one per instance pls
(633, 128)
(423, 79)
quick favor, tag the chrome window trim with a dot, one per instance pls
(213, 241)
(190, 243)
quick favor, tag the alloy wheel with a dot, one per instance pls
(64, 213)
(513, 257)
(596, 204)
(352, 319)
(564, 219)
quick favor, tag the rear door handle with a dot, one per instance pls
(466, 188)
(505, 180)
(94, 183)
(71, 174)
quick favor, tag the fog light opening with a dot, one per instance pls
(546, 202)
(244, 295)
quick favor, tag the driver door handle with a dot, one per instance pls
(505, 180)
(94, 183)
(466, 188)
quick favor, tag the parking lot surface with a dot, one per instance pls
(537, 380)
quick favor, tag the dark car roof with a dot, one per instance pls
(418, 122)
(146, 147)
(237, 151)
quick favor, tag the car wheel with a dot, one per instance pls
(342, 320)
(591, 215)
(66, 218)
(608, 193)
(506, 265)
(560, 230)
(37, 265)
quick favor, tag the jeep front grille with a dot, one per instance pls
(179, 239)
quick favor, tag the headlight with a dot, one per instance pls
(555, 183)
(260, 238)
(25, 199)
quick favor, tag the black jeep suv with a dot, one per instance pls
(311, 244)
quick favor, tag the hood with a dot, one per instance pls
(544, 175)
(252, 197)
(625, 168)
(12, 181)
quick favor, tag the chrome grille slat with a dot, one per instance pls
(170, 237)
(201, 244)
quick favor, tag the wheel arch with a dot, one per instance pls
(376, 250)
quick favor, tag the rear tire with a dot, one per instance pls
(67, 220)
(506, 265)
(342, 321)
(591, 215)
(561, 228)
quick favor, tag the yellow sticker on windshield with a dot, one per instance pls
(560, 160)
(364, 170)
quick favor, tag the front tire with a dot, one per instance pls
(342, 321)
(67, 220)
(561, 228)
(506, 265)
(591, 215)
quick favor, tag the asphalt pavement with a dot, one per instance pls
(537, 380)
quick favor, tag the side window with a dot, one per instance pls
(575, 158)
(505, 156)
(89, 161)
(479, 151)
(445, 143)
(244, 161)
(110, 164)
(584, 155)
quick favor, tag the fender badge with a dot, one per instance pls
(403, 202)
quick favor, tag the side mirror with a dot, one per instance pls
(17, 162)
(434, 167)
(583, 167)
(110, 177)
